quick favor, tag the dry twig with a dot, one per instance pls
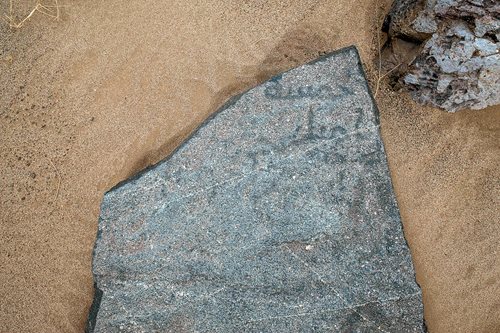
(48, 10)
(378, 22)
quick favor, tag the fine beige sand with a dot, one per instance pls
(114, 86)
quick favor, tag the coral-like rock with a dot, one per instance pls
(458, 66)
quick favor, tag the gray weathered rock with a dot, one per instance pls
(459, 64)
(277, 215)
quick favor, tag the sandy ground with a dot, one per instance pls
(114, 86)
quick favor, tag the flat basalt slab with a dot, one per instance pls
(277, 215)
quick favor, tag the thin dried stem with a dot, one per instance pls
(379, 50)
(39, 7)
(391, 70)
(379, 61)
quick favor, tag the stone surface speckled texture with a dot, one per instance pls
(277, 215)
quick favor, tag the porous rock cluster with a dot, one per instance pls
(458, 64)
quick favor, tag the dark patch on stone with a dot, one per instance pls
(94, 309)
(277, 215)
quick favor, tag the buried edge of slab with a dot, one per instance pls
(276, 215)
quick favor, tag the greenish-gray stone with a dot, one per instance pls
(277, 215)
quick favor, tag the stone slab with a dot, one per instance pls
(277, 215)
